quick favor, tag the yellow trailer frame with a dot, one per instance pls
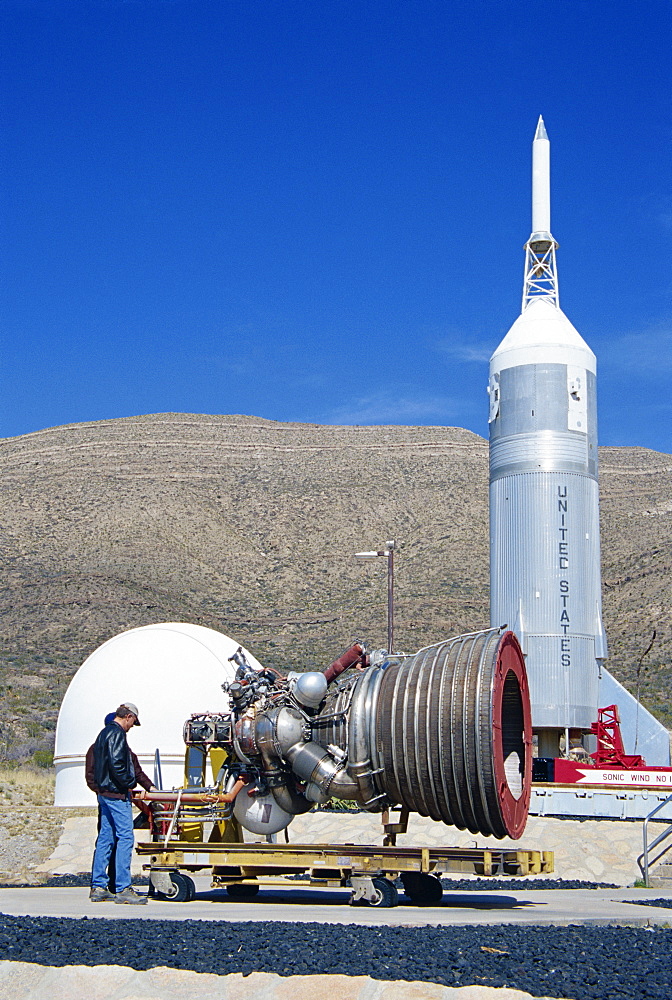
(249, 865)
(332, 864)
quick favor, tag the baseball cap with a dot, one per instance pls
(132, 708)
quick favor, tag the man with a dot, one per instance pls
(141, 779)
(114, 776)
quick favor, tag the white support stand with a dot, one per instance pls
(541, 275)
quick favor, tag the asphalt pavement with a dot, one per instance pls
(303, 903)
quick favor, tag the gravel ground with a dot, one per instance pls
(581, 963)
(665, 903)
(67, 882)
(495, 884)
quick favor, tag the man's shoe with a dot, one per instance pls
(99, 894)
(129, 895)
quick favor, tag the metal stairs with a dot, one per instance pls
(660, 877)
(655, 861)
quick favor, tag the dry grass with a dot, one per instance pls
(27, 785)
(30, 825)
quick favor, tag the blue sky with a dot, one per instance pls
(315, 211)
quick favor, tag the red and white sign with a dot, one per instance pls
(571, 772)
(618, 776)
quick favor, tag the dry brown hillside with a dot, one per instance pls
(249, 526)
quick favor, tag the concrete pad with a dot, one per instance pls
(25, 981)
(603, 850)
(308, 904)
(74, 852)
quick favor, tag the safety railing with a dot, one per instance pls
(645, 861)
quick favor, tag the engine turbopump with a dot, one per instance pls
(444, 732)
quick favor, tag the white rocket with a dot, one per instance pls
(544, 516)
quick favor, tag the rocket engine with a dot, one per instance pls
(444, 732)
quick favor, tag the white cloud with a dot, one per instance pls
(476, 352)
(385, 407)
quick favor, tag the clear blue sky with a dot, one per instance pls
(315, 211)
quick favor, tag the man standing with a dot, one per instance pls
(90, 774)
(115, 776)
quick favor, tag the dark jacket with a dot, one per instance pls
(113, 770)
(140, 777)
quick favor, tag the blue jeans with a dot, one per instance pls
(116, 829)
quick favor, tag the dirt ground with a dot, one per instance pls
(30, 825)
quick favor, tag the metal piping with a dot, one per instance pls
(287, 798)
(356, 654)
(444, 726)
(279, 738)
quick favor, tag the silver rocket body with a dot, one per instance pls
(544, 507)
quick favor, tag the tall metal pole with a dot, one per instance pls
(390, 596)
(389, 553)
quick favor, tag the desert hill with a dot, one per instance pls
(249, 526)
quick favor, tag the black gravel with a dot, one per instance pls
(82, 880)
(495, 884)
(665, 903)
(582, 963)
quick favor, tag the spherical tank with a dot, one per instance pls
(260, 813)
(168, 671)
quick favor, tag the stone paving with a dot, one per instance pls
(592, 850)
(25, 981)
(74, 850)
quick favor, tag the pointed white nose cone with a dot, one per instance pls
(542, 334)
(541, 183)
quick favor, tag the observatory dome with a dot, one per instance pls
(168, 670)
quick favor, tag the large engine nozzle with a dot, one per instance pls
(445, 732)
(453, 734)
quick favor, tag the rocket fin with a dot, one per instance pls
(601, 649)
(518, 628)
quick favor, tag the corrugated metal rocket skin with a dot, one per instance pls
(544, 508)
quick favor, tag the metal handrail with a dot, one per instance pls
(643, 859)
(172, 822)
(158, 777)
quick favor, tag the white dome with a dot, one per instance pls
(169, 671)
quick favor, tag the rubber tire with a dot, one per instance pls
(185, 890)
(192, 887)
(389, 895)
(422, 888)
(242, 890)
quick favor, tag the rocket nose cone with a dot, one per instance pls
(541, 132)
(543, 334)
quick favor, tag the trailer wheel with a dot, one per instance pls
(242, 890)
(386, 893)
(422, 888)
(183, 886)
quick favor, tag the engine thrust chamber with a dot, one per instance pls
(452, 734)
